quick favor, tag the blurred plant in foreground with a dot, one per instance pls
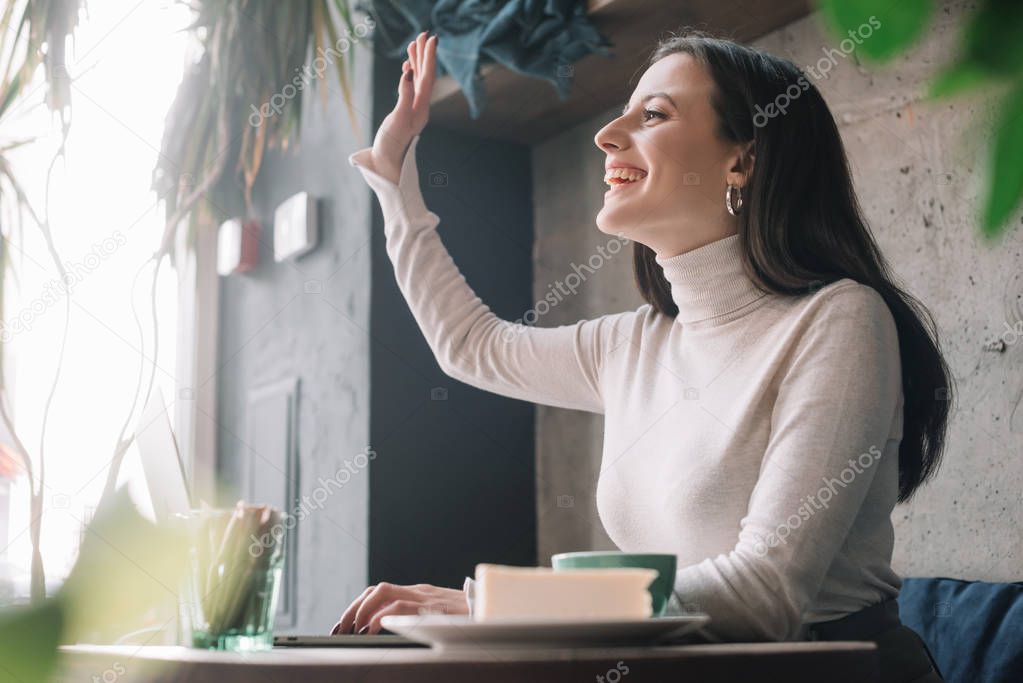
(126, 566)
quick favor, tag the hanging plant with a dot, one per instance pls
(244, 94)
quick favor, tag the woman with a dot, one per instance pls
(773, 400)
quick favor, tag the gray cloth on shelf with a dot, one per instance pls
(539, 38)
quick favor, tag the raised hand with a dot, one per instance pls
(412, 111)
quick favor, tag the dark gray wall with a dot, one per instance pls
(453, 483)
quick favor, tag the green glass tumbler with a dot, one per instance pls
(232, 586)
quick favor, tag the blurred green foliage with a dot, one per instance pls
(990, 55)
(126, 566)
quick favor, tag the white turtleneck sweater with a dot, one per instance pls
(755, 436)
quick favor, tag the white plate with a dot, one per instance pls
(453, 631)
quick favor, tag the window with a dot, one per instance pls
(125, 64)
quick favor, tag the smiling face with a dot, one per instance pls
(669, 132)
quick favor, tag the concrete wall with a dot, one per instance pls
(918, 169)
(310, 319)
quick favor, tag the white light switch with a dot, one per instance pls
(296, 228)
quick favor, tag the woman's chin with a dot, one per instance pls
(609, 226)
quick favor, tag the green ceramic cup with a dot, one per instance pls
(660, 589)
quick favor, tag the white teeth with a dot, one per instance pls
(629, 174)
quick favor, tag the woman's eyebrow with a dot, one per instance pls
(649, 96)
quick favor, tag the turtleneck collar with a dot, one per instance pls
(709, 281)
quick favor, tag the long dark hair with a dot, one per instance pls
(801, 226)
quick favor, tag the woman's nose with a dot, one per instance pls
(610, 138)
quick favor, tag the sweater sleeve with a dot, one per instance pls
(830, 426)
(557, 366)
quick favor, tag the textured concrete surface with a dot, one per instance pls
(310, 319)
(919, 169)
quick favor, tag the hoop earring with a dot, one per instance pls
(738, 199)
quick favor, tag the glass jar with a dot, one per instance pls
(233, 582)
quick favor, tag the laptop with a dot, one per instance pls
(169, 492)
(161, 461)
(347, 640)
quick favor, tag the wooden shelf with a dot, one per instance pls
(528, 110)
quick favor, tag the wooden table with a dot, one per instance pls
(796, 662)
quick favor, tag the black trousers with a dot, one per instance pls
(903, 653)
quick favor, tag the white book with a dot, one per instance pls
(508, 592)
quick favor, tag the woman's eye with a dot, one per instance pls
(651, 112)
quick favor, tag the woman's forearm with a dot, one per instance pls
(556, 366)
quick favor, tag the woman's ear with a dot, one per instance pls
(742, 164)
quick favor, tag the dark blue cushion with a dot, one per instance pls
(974, 629)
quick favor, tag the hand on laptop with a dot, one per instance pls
(365, 612)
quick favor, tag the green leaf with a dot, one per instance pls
(1006, 174)
(28, 641)
(883, 28)
(992, 37)
(126, 566)
(958, 78)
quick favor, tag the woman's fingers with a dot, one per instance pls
(406, 90)
(425, 47)
(411, 50)
(429, 64)
(344, 624)
(365, 613)
(419, 49)
(396, 607)
(379, 597)
(415, 53)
